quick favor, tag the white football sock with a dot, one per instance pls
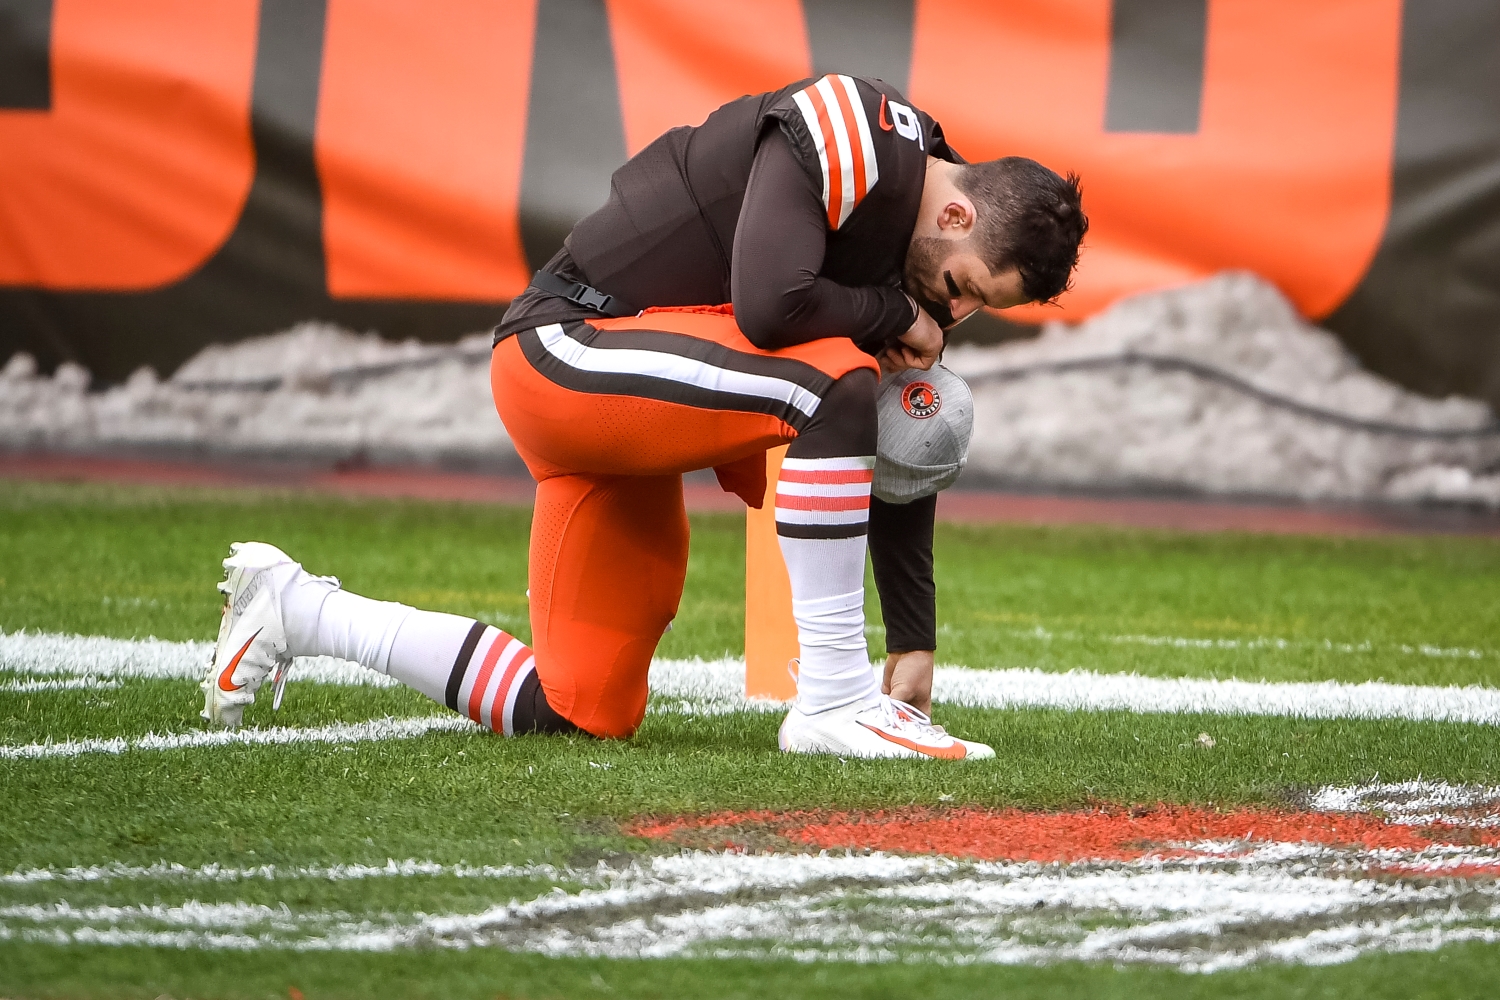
(822, 517)
(471, 667)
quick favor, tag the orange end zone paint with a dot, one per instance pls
(1111, 833)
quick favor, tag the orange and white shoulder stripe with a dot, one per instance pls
(841, 132)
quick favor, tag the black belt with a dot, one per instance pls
(580, 294)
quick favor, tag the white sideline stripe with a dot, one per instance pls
(1087, 691)
(829, 907)
(344, 732)
(67, 684)
(673, 368)
(46, 653)
(716, 686)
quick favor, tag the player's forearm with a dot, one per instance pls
(779, 246)
(813, 308)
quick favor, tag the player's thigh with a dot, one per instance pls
(608, 558)
(661, 393)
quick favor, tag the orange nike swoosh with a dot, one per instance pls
(225, 677)
(884, 122)
(956, 752)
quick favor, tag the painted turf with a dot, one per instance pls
(717, 686)
(1387, 867)
(1220, 905)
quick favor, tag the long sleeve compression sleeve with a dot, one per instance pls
(779, 245)
(901, 555)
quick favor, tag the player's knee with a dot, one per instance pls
(845, 423)
(533, 713)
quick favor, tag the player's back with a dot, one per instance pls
(665, 235)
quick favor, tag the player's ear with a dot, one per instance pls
(957, 217)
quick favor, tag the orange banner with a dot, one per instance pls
(233, 167)
(421, 134)
(1289, 174)
(137, 173)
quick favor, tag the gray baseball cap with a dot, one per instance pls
(926, 420)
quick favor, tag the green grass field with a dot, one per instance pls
(131, 563)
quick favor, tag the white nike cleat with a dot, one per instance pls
(888, 728)
(252, 639)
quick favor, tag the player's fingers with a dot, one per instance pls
(908, 687)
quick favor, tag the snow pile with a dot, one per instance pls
(307, 354)
(1217, 387)
(315, 390)
(1122, 419)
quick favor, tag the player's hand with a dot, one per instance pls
(908, 678)
(919, 347)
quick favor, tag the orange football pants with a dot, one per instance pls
(608, 415)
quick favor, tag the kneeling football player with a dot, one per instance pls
(745, 287)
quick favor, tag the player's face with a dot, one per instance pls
(951, 283)
(970, 286)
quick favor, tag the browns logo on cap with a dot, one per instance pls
(921, 400)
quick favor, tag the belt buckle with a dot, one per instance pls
(591, 298)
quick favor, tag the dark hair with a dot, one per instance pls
(1027, 218)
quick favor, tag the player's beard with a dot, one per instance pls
(924, 259)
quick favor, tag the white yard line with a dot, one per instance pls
(59, 684)
(717, 686)
(1040, 633)
(1324, 645)
(1080, 690)
(866, 908)
(1258, 643)
(341, 733)
(1415, 803)
(166, 871)
(46, 654)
